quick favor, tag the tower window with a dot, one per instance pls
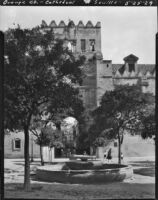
(71, 45)
(131, 67)
(83, 45)
(115, 144)
(92, 45)
(16, 144)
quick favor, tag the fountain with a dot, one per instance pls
(83, 171)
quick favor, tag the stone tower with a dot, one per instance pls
(100, 75)
(82, 40)
(104, 78)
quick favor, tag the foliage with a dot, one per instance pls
(50, 137)
(102, 140)
(99, 142)
(39, 71)
(40, 76)
(120, 111)
(46, 132)
(149, 127)
(126, 101)
(147, 122)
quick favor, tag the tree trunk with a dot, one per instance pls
(91, 150)
(41, 155)
(27, 185)
(32, 149)
(119, 149)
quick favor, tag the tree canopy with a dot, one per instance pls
(41, 75)
(147, 123)
(38, 71)
(121, 110)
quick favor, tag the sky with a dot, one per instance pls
(124, 30)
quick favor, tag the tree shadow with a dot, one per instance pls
(80, 191)
(147, 171)
(20, 187)
(143, 163)
(20, 161)
(9, 171)
(31, 163)
(21, 164)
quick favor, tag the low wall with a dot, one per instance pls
(46, 173)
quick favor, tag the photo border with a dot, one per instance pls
(69, 3)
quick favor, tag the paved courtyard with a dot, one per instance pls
(141, 185)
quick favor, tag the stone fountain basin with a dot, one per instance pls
(84, 172)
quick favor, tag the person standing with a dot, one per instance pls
(109, 155)
(121, 156)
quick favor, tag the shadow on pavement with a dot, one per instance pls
(150, 171)
(79, 191)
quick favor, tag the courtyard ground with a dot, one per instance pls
(141, 185)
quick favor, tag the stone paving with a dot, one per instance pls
(14, 169)
(138, 187)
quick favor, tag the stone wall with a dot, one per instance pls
(76, 33)
(48, 154)
(88, 34)
(149, 86)
(133, 146)
(125, 80)
(88, 89)
(99, 74)
(9, 146)
(104, 78)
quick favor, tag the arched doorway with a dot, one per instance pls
(70, 132)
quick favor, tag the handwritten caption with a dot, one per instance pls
(83, 2)
(38, 2)
(125, 3)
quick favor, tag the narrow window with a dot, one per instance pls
(69, 45)
(16, 144)
(73, 43)
(92, 45)
(83, 45)
(72, 46)
(131, 67)
(115, 144)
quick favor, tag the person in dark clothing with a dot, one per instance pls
(105, 155)
(109, 155)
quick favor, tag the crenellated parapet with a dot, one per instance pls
(133, 74)
(70, 24)
(62, 24)
(53, 24)
(80, 38)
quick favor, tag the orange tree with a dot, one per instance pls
(40, 75)
(147, 125)
(47, 136)
(121, 110)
